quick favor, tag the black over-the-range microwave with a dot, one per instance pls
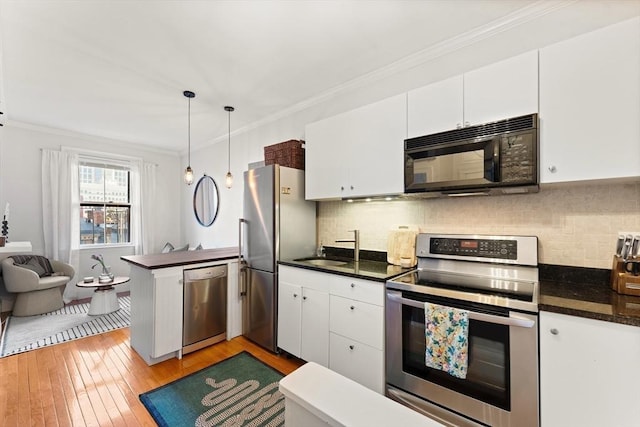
(493, 158)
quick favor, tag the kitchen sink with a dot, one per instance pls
(325, 262)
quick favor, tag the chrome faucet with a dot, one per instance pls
(356, 243)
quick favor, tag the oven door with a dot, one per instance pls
(501, 386)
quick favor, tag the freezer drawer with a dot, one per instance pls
(259, 308)
(205, 307)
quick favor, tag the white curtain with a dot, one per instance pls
(61, 211)
(143, 195)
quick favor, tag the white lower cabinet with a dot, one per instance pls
(589, 372)
(356, 326)
(358, 361)
(335, 321)
(303, 314)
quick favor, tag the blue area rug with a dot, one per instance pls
(239, 391)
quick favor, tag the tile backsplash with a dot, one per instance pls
(576, 224)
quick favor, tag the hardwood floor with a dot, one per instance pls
(95, 381)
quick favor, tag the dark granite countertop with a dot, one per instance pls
(372, 266)
(378, 271)
(173, 259)
(585, 292)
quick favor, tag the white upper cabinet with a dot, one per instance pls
(590, 105)
(435, 108)
(502, 90)
(508, 88)
(358, 153)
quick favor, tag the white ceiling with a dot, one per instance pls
(117, 69)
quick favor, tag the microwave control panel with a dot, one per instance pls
(482, 248)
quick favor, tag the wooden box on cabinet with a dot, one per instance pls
(289, 154)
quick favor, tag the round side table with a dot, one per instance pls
(104, 298)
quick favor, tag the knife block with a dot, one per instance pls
(616, 269)
(628, 284)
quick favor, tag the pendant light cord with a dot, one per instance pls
(229, 143)
(189, 134)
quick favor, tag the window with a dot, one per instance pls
(105, 203)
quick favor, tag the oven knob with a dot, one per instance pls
(554, 331)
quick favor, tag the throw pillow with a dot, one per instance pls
(168, 247)
(36, 268)
(183, 248)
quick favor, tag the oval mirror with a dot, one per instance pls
(206, 201)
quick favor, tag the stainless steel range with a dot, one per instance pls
(495, 279)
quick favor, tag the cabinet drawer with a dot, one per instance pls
(361, 290)
(357, 320)
(357, 361)
(306, 278)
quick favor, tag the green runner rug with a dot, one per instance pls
(239, 391)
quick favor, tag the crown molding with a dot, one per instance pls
(513, 20)
(87, 137)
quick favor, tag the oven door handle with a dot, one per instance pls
(489, 318)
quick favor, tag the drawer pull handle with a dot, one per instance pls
(351, 347)
(352, 307)
(353, 285)
(554, 331)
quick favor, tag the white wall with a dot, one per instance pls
(20, 186)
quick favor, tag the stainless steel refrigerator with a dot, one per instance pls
(277, 224)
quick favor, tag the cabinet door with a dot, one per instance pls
(357, 153)
(502, 90)
(357, 320)
(376, 148)
(289, 317)
(326, 153)
(315, 327)
(435, 108)
(167, 312)
(588, 372)
(590, 104)
(360, 362)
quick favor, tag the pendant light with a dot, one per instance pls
(228, 179)
(188, 172)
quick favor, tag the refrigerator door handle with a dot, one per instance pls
(242, 264)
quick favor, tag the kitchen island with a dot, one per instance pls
(157, 299)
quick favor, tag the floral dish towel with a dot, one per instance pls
(446, 333)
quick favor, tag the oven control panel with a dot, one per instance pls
(482, 248)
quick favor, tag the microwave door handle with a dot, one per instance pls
(489, 318)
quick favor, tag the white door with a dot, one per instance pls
(289, 317)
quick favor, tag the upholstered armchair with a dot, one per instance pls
(37, 282)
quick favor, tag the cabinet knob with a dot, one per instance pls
(341, 188)
(352, 307)
(552, 169)
(554, 331)
(466, 124)
(351, 347)
(458, 126)
(304, 298)
(295, 295)
(353, 285)
(351, 187)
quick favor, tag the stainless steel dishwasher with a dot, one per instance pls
(205, 307)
